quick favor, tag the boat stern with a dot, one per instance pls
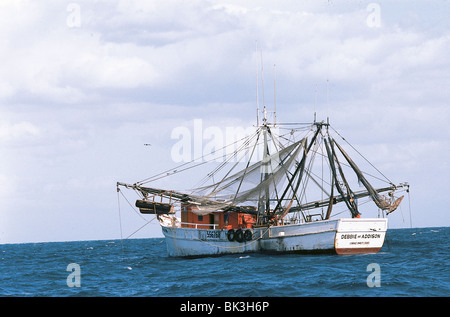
(360, 235)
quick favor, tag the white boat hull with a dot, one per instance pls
(341, 236)
(360, 236)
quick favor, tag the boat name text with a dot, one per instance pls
(361, 236)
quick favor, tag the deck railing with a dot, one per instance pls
(209, 225)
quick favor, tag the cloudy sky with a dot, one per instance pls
(84, 84)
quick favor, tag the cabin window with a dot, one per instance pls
(200, 217)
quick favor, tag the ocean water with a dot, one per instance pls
(412, 262)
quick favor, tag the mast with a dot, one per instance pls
(264, 200)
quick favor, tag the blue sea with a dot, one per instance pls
(412, 263)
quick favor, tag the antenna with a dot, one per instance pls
(257, 93)
(275, 93)
(315, 97)
(327, 93)
(262, 83)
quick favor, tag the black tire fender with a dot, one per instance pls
(248, 235)
(231, 235)
(239, 235)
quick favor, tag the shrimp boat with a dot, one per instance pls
(281, 189)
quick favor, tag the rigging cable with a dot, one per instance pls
(120, 219)
(140, 228)
(245, 146)
(409, 206)
(176, 169)
(363, 156)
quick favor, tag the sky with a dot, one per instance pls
(85, 84)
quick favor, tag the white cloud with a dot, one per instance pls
(158, 45)
(17, 131)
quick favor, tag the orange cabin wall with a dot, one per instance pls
(235, 220)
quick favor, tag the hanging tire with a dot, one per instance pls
(231, 235)
(248, 235)
(239, 235)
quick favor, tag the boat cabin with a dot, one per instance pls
(215, 220)
(190, 218)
